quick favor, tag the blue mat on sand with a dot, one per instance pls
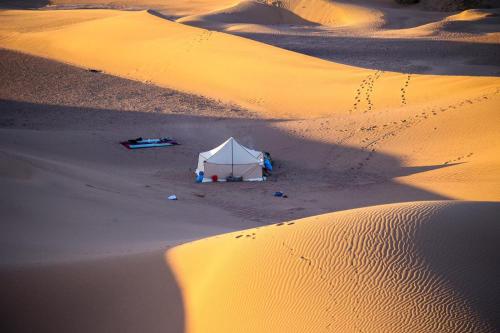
(149, 143)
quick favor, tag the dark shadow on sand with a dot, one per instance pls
(323, 170)
(417, 56)
(134, 293)
(465, 253)
(23, 4)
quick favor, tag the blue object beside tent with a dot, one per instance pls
(268, 164)
(199, 177)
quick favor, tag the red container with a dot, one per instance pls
(215, 178)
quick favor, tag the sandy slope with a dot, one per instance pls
(70, 191)
(337, 13)
(415, 267)
(149, 48)
(51, 162)
(405, 37)
(473, 21)
(245, 12)
(78, 208)
(329, 13)
(172, 8)
(382, 18)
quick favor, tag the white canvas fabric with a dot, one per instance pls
(231, 158)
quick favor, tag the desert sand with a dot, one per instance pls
(418, 258)
(383, 122)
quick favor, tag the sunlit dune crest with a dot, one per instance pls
(246, 12)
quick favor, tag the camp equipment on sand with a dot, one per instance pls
(231, 159)
(234, 179)
(268, 161)
(199, 177)
(280, 194)
(149, 143)
(268, 164)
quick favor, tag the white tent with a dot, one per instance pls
(231, 159)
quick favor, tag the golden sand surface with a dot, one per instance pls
(386, 148)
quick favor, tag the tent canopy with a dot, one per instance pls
(231, 159)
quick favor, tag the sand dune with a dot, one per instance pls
(172, 8)
(86, 223)
(471, 131)
(412, 267)
(329, 13)
(466, 22)
(252, 12)
(149, 48)
(336, 13)
(360, 17)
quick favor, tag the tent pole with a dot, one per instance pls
(232, 158)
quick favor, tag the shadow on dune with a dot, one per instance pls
(162, 15)
(319, 177)
(23, 4)
(418, 56)
(458, 245)
(136, 293)
(406, 171)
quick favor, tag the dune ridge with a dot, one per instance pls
(253, 12)
(393, 268)
(151, 49)
(175, 8)
(471, 21)
(335, 13)
(325, 12)
(382, 19)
